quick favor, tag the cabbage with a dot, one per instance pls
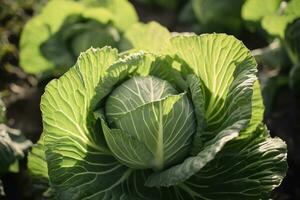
(183, 121)
(52, 40)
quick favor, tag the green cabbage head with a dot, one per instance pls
(52, 40)
(182, 123)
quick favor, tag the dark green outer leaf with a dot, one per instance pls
(245, 169)
(79, 164)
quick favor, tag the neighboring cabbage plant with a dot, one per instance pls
(284, 25)
(213, 16)
(275, 24)
(219, 15)
(254, 11)
(13, 146)
(52, 40)
(183, 122)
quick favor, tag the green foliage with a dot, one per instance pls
(148, 37)
(253, 11)
(286, 27)
(276, 23)
(216, 16)
(65, 32)
(181, 122)
(13, 16)
(281, 22)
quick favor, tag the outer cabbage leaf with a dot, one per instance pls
(226, 71)
(124, 14)
(80, 166)
(38, 167)
(148, 37)
(257, 112)
(245, 169)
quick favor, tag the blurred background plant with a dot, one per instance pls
(13, 16)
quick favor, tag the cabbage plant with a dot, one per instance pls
(254, 11)
(184, 122)
(52, 40)
(284, 26)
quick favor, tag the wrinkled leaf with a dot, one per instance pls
(245, 169)
(79, 164)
